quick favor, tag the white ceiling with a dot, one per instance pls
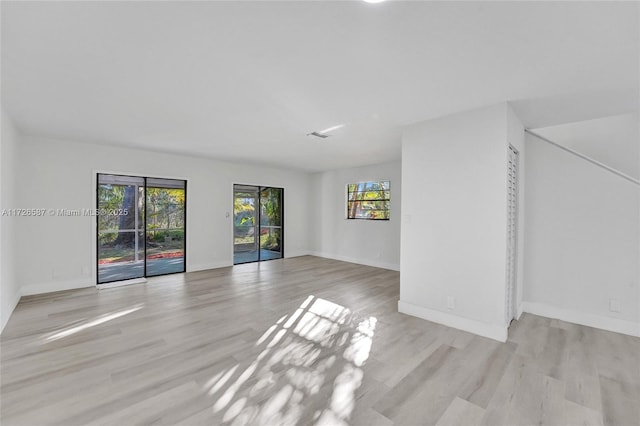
(248, 80)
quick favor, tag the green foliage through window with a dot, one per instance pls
(368, 200)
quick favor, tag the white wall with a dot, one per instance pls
(54, 253)
(614, 141)
(369, 242)
(583, 241)
(9, 287)
(454, 219)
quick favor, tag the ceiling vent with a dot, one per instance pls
(318, 135)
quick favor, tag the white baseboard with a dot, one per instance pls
(52, 286)
(590, 320)
(6, 314)
(211, 265)
(297, 253)
(122, 283)
(495, 332)
(228, 263)
(360, 261)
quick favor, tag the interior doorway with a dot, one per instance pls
(258, 223)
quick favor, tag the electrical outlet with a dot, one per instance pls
(615, 305)
(451, 302)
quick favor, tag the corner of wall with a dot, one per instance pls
(359, 261)
(51, 286)
(8, 309)
(491, 331)
(520, 310)
(372, 243)
(207, 266)
(9, 289)
(615, 325)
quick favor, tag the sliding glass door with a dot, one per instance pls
(270, 223)
(258, 223)
(141, 225)
(165, 226)
(120, 228)
(245, 223)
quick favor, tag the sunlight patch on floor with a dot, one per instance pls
(47, 338)
(310, 365)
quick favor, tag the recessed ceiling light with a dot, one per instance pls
(330, 129)
(373, 1)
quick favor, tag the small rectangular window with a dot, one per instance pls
(368, 200)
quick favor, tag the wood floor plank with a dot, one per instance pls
(579, 415)
(500, 403)
(390, 405)
(620, 401)
(481, 386)
(583, 390)
(538, 400)
(301, 341)
(461, 412)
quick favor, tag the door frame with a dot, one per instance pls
(260, 187)
(94, 223)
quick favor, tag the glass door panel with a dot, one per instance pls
(245, 224)
(257, 223)
(270, 223)
(165, 226)
(120, 228)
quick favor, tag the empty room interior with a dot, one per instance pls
(320, 213)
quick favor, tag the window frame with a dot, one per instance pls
(348, 200)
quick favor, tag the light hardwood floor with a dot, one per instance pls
(298, 341)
